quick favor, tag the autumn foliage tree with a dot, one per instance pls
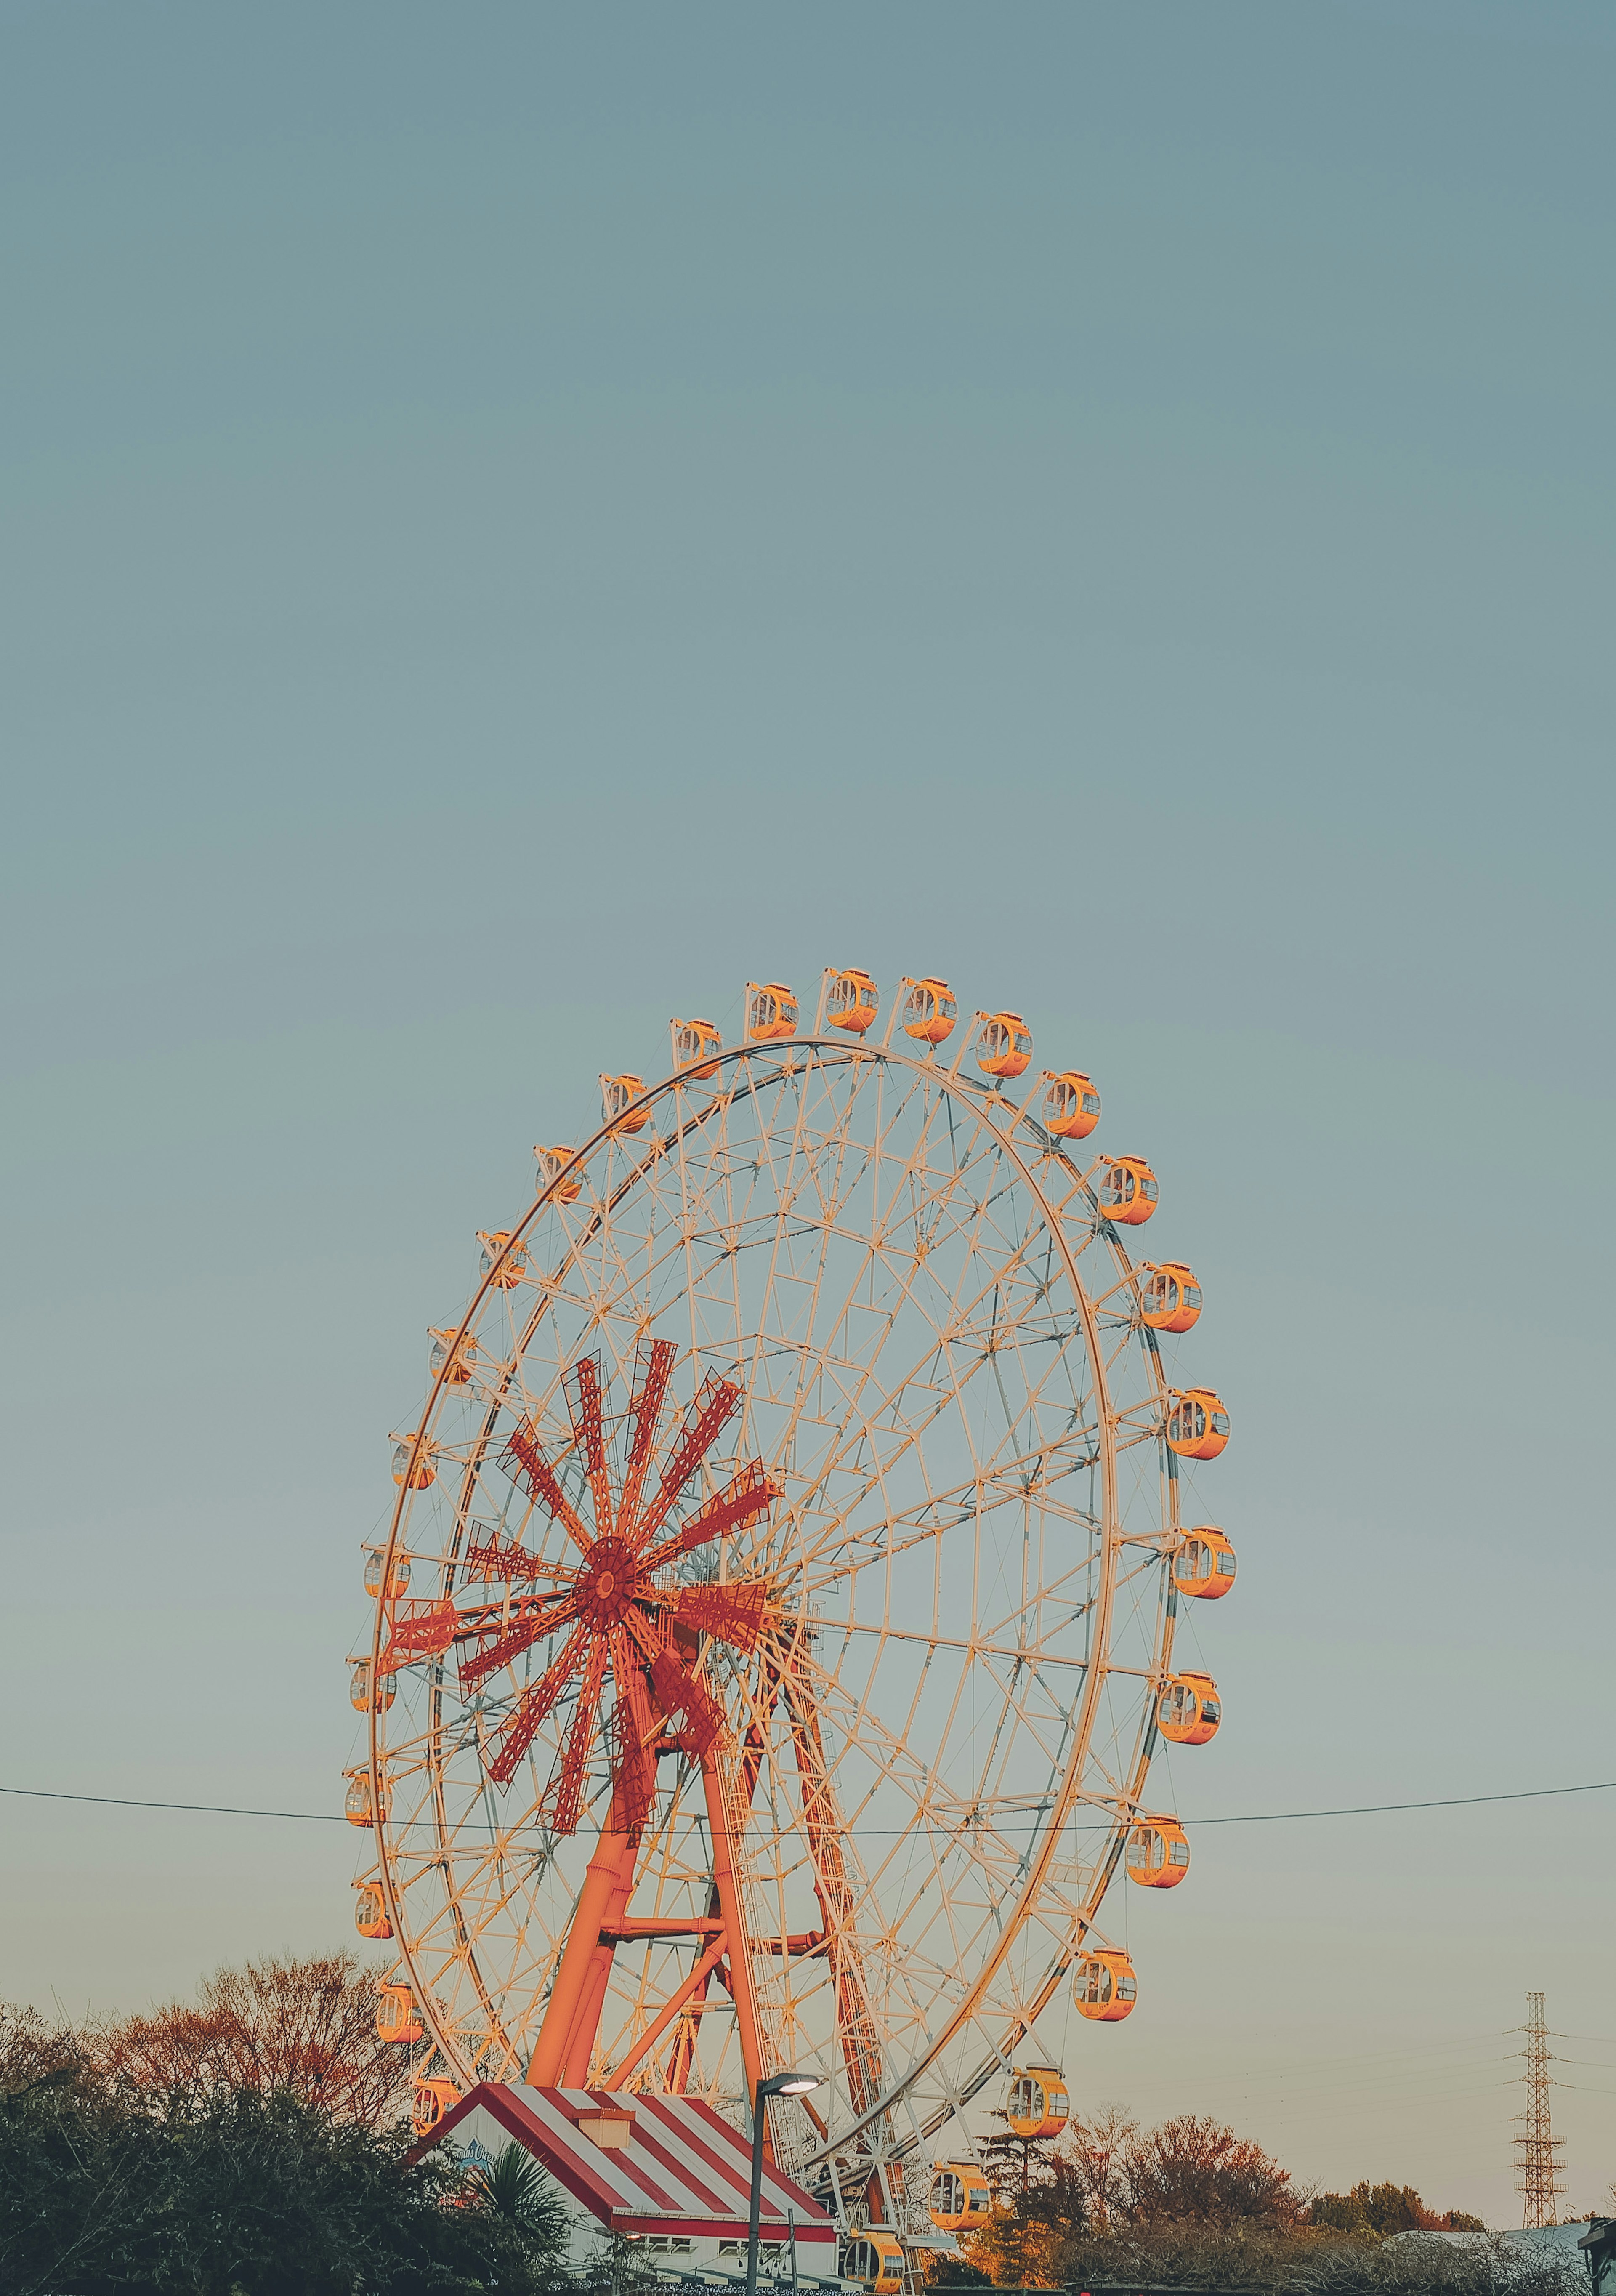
(300, 2029)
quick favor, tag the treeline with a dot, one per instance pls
(250, 2143)
(1189, 2203)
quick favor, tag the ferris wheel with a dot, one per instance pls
(775, 1624)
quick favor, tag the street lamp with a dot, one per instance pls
(777, 2085)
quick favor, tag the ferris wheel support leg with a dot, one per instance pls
(597, 1975)
(607, 1880)
(727, 1887)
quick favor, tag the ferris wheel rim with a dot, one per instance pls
(992, 1108)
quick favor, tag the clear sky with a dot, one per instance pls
(517, 518)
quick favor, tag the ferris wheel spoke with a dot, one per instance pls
(520, 1726)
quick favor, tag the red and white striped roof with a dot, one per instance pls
(683, 2170)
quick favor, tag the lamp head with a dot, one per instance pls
(791, 2085)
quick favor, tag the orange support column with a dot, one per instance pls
(608, 1880)
(586, 2023)
(727, 1886)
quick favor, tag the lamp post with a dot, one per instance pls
(777, 2085)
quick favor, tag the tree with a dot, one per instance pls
(1098, 2148)
(301, 2028)
(1033, 2226)
(242, 2194)
(1385, 2209)
(1192, 2170)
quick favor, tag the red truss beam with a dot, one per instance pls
(584, 1404)
(523, 1631)
(733, 1611)
(634, 1727)
(516, 1734)
(743, 1498)
(525, 1453)
(493, 1558)
(651, 1373)
(679, 1692)
(420, 1630)
(715, 1406)
(575, 1759)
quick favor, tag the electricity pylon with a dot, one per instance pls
(1540, 2149)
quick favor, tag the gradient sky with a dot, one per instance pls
(516, 519)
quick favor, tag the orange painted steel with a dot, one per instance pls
(553, 1164)
(694, 1044)
(1126, 1190)
(450, 1358)
(1103, 1987)
(377, 1569)
(359, 1803)
(398, 2019)
(961, 2198)
(1204, 1565)
(432, 2099)
(928, 1011)
(1158, 1854)
(875, 2260)
(1169, 1296)
(370, 1911)
(771, 1012)
(503, 1262)
(1039, 2105)
(618, 1096)
(359, 1693)
(851, 1001)
(1070, 1108)
(1189, 1710)
(1004, 1045)
(1197, 1424)
(414, 1467)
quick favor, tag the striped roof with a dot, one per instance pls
(683, 2169)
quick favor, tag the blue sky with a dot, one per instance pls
(516, 519)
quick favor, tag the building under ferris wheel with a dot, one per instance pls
(776, 1621)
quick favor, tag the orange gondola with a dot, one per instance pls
(694, 1044)
(552, 1163)
(1003, 1045)
(359, 1807)
(1189, 1710)
(375, 1565)
(961, 2199)
(1103, 1987)
(432, 2099)
(1072, 1105)
(370, 1911)
(1204, 1565)
(1197, 1424)
(1039, 2105)
(618, 1096)
(1158, 1853)
(771, 1012)
(504, 1263)
(1170, 1297)
(398, 2019)
(928, 1011)
(414, 1463)
(451, 1356)
(359, 1689)
(875, 2260)
(1127, 1191)
(851, 1001)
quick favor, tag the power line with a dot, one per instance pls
(1245, 1817)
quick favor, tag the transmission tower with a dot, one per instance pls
(1539, 2148)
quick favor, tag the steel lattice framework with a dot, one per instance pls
(789, 1528)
